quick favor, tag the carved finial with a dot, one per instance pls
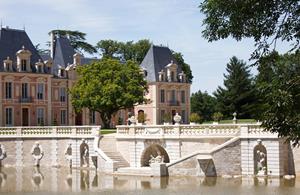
(171, 61)
(7, 58)
(23, 47)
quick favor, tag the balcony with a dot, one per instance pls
(174, 103)
(25, 100)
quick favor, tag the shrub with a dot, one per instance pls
(195, 118)
(217, 116)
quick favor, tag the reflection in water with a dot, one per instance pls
(37, 177)
(61, 180)
(3, 177)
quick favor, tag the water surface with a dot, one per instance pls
(65, 181)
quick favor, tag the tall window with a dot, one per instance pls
(39, 69)
(162, 96)
(40, 91)
(8, 117)
(183, 117)
(8, 90)
(63, 117)
(92, 117)
(173, 96)
(24, 90)
(62, 94)
(40, 116)
(182, 96)
(23, 65)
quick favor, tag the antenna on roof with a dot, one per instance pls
(24, 27)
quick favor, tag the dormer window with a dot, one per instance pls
(182, 77)
(61, 72)
(172, 76)
(161, 76)
(23, 60)
(8, 65)
(172, 72)
(23, 65)
(39, 67)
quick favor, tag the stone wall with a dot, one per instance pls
(228, 159)
(18, 151)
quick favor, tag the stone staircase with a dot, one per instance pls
(109, 147)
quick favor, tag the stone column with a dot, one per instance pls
(19, 152)
(54, 153)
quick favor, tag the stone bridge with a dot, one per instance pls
(211, 150)
(198, 150)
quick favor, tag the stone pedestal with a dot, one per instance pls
(159, 169)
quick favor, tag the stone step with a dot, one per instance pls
(141, 171)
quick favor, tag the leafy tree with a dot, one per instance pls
(217, 116)
(185, 67)
(40, 50)
(77, 40)
(238, 94)
(279, 87)
(263, 20)
(203, 104)
(136, 51)
(107, 86)
(109, 48)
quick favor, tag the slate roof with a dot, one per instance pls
(156, 59)
(63, 53)
(11, 41)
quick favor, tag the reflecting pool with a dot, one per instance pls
(62, 180)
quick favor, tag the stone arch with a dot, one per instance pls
(260, 159)
(84, 154)
(154, 151)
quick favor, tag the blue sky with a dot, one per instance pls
(175, 23)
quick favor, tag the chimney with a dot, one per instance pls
(52, 44)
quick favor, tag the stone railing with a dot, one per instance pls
(193, 131)
(50, 131)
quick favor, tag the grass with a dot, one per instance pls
(108, 131)
(231, 122)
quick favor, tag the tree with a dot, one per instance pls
(77, 40)
(185, 67)
(203, 104)
(263, 20)
(279, 88)
(109, 48)
(238, 94)
(107, 86)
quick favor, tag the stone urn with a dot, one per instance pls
(132, 120)
(177, 118)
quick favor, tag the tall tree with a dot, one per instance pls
(185, 67)
(203, 104)
(107, 86)
(263, 20)
(109, 48)
(279, 87)
(238, 94)
(77, 40)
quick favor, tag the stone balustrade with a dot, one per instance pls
(194, 131)
(50, 131)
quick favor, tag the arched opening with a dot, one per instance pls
(154, 153)
(260, 159)
(84, 155)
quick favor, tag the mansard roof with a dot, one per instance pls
(63, 53)
(11, 41)
(156, 59)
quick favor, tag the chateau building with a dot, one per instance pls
(34, 87)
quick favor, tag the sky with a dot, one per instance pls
(173, 23)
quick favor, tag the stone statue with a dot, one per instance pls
(85, 156)
(261, 163)
(37, 153)
(157, 159)
(68, 154)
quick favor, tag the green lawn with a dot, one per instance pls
(108, 131)
(230, 121)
